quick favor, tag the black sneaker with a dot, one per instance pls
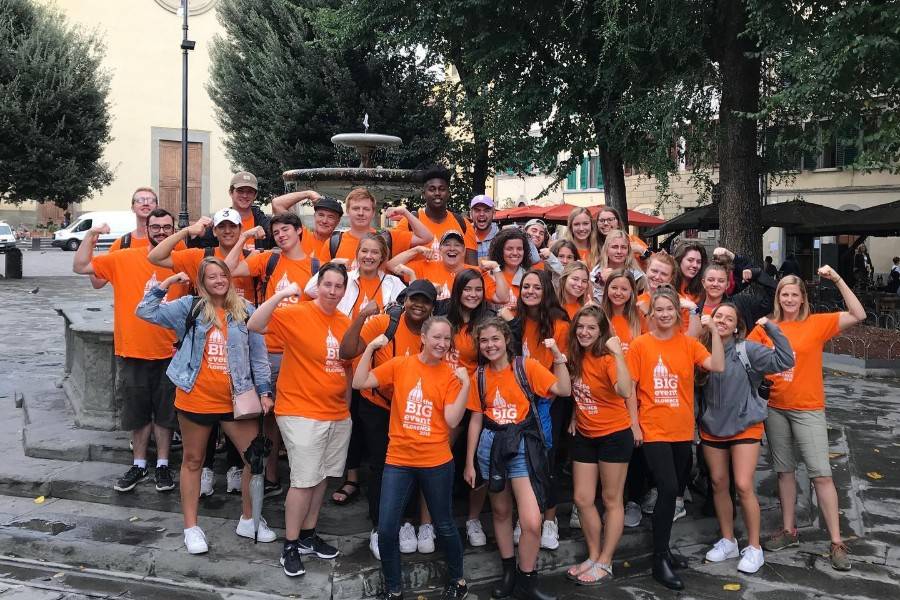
(164, 480)
(272, 488)
(290, 560)
(318, 546)
(389, 596)
(455, 591)
(131, 478)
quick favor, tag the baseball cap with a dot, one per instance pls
(535, 222)
(421, 287)
(329, 203)
(452, 233)
(226, 214)
(481, 199)
(244, 179)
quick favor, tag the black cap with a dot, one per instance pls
(329, 203)
(421, 287)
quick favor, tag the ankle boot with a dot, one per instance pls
(526, 587)
(677, 561)
(663, 573)
(507, 581)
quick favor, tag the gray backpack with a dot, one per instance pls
(753, 410)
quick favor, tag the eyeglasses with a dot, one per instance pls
(163, 228)
(609, 220)
(144, 201)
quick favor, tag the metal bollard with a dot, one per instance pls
(14, 263)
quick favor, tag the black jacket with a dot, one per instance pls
(754, 299)
(506, 446)
(208, 240)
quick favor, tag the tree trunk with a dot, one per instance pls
(613, 169)
(740, 223)
(480, 163)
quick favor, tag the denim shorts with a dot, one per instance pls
(517, 467)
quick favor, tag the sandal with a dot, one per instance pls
(598, 573)
(574, 572)
(342, 497)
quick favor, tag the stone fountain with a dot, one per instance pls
(387, 185)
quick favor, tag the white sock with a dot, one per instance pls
(162, 462)
(140, 462)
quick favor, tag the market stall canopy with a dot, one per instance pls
(559, 213)
(881, 221)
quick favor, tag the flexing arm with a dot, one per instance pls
(352, 345)
(170, 315)
(421, 235)
(855, 312)
(563, 384)
(769, 360)
(715, 362)
(501, 294)
(286, 202)
(81, 262)
(161, 255)
(453, 413)
(363, 378)
(237, 266)
(259, 320)
(406, 256)
(623, 376)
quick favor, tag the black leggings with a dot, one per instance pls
(357, 435)
(637, 482)
(670, 464)
(560, 415)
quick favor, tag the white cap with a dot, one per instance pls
(226, 214)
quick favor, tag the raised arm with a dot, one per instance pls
(237, 266)
(563, 385)
(286, 202)
(855, 312)
(259, 320)
(501, 294)
(170, 315)
(81, 262)
(406, 256)
(623, 375)
(715, 362)
(161, 255)
(352, 345)
(453, 413)
(421, 235)
(771, 360)
(363, 378)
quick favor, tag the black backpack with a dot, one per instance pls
(394, 311)
(334, 242)
(271, 265)
(125, 241)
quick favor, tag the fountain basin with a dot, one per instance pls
(365, 144)
(387, 185)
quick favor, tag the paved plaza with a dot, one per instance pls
(64, 533)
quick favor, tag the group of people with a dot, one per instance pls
(390, 345)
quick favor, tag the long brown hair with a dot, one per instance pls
(576, 353)
(549, 310)
(777, 313)
(695, 285)
(234, 305)
(630, 310)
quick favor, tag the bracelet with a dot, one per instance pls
(561, 361)
(496, 271)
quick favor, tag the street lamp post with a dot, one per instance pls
(186, 45)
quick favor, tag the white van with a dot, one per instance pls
(120, 222)
(7, 237)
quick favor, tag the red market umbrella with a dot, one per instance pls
(559, 213)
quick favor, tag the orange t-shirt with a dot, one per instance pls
(369, 291)
(312, 245)
(212, 388)
(504, 401)
(801, 387)
(664, 373)
(418, 435)
(286, 271)
(599, 410)
(695, 298)
(572, 308)
(247, 225)
(132, 276)
(405, 342)
(623, 329)
(685, 313)
(313, 378)
(437, 229)
(754, 432)
(437, 273)
(464, 353)
(189, 261)
(137, 242)
(533, 344)
(400, 242)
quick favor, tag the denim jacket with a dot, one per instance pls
(248, 359)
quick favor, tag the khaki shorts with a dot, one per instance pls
(798, 431)
(315, 449)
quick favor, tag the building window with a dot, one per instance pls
(572, 180)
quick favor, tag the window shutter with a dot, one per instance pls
(585, 167)
(572, 180)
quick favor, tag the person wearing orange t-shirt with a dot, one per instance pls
(327, 213)
(428, 400)
(581, 230)
(796, 421)
(374, 404)
(143, 351)
(574, 287)
(603, 426)
(312, 404)
(232, 362)
(661, 272)
(661, 363)
(501, 419)
(691, 260)
(729, 439)
(614, 255)
(509, 250)
(243, 192)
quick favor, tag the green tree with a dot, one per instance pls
(283, 86)
(54, 117)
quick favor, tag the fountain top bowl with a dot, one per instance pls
(365, 140)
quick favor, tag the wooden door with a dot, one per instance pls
(170, 177)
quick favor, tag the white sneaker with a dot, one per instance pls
(408, 541)
(632, 514)
(517, 533)
(373, 544)
(426, 537)
(679, 510)
(574, 519)
(245, 529)
(752, 560)
(550, 535)
(233, 480)
(475, 533)
(195, 540)
(649, 502)
(723, 550)
(207, 482)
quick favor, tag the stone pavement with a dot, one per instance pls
(83, 526)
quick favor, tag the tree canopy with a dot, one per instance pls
(54, 117)
(283, 86)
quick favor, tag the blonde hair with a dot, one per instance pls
(630, 310)
(777, 313)
(616, 234)
(592, 236)
(575, 265)
(234, 305)
(667, 292)
(145, 189)
(666, 259)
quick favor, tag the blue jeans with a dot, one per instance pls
(397, 486)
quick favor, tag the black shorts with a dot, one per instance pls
(206, 419)
(144, 393)
(613, 448)
(728, 443)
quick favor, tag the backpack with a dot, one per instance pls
(211, 251)
(125, 241)
(190, 320)
(271, 264)
(394, 312)
(334, 242)
(539, 406)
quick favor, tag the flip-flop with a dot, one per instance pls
(345, 496)
(573, 572)
(595, 572)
